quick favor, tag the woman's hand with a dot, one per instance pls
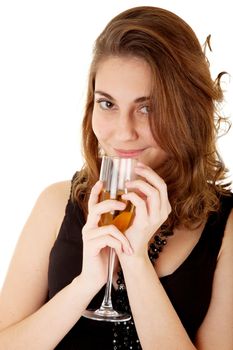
(152, 208)
(97, 240)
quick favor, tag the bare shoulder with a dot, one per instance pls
(26, 285)
(53, 200)
(57, 192)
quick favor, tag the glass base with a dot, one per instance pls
(106, 315)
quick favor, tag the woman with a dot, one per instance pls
(150, 96)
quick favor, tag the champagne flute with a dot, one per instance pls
(115, 171)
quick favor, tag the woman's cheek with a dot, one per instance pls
(100, 127)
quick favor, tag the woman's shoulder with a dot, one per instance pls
(55, 195)
(52, 201)
(58, 191)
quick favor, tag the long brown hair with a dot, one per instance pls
(184, 119)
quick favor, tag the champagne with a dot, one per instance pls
(120, 218)
(114, 173)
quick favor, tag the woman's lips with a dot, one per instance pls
(129, 153)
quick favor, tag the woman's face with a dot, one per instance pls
(120, 117)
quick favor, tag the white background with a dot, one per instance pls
(45, 51)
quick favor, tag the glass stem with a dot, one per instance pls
(107, 302)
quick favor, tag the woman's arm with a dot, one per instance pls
(216, 331)
(156, 321)
(158, 326)
(26, 321)
(22, 318)
(44, 328)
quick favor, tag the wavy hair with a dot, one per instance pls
(184, 119)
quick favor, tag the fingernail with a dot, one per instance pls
(122, 205)
(140, 165)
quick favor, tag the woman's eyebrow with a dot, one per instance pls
(104, 94)
(137, 100)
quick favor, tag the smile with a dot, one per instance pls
(129, 153)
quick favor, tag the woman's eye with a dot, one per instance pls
(105, 105)
(145, 110)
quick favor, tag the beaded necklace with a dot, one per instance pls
(124, 333)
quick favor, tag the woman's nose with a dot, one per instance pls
(126, 128)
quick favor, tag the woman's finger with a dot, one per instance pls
(106, 241)
(109, 230)
(150, 194)
(139, 203)
(109, 240)
(156, 181)
(150, 176)
(101, 208)
(94, 195)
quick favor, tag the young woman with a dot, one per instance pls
(150, 96)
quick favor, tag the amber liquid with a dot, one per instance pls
(121, 219)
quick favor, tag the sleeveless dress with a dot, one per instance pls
(188, 287)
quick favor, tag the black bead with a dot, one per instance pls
(154, 256)
(151, 258)
(152, 246)
(158, 240)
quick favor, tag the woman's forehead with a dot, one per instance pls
(116, 75)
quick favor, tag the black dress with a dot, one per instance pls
(188, 287)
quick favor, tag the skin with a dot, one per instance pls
(25, 316)
(120, 118)
(121, 123)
